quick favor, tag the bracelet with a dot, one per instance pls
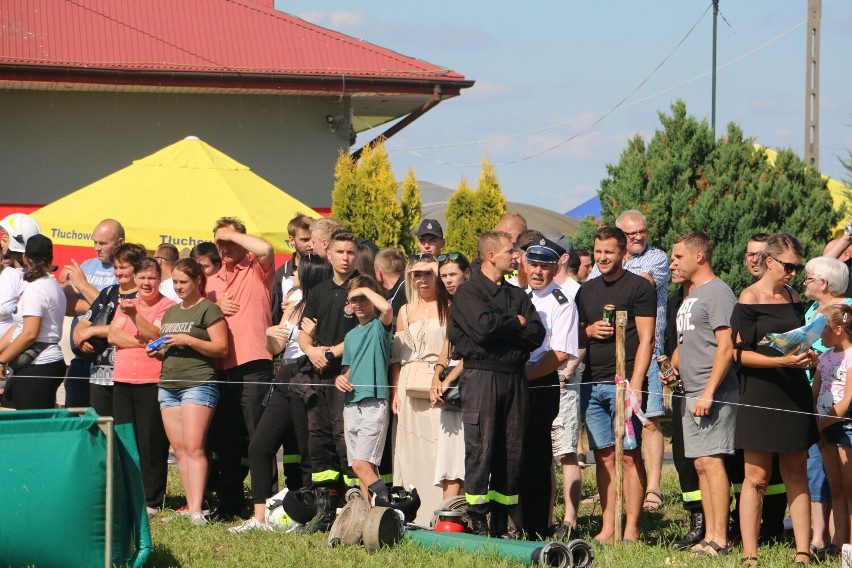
(440, 365)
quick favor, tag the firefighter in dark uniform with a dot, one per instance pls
(559, 316)
(494, 327)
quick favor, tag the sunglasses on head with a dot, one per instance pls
(448, 256)
(789, 267)
(421, 257)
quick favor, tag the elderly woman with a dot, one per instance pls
(421, 332)
(776, 406)
(825, 282)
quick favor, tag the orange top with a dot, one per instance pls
(249, 286)
(132, 364)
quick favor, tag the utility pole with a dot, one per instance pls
(713, 74)
(812, 85)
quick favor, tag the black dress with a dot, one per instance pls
(782, 388)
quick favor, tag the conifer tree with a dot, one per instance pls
(490, 201)
(411, 213)
(364, 197)
(460, 235)
(348, 195)
(685, 180)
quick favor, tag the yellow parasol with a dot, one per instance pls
(174, 196)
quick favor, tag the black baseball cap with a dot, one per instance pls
(430, 227)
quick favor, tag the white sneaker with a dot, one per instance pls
(251, 524)
(152, 511)
(198, 519)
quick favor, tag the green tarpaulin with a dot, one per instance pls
(53, 466)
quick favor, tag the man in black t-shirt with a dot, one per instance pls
(327, 307)
(635, 295)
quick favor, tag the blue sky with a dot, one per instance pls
(555, 66)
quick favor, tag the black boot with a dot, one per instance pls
(326, 501)
(499, 522)
(696, 531)
(478, 523)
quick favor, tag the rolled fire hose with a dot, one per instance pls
(530, 553)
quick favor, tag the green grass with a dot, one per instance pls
(178, 543)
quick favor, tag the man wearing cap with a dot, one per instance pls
(430, 237)
(565, 433)
(559, 316)
(653, 265)
(494, 327)
(83, 282)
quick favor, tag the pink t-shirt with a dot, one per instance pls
(249, 285)
(132, 364)
(832, 369)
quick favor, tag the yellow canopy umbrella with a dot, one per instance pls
(839, 192)
(174, 196)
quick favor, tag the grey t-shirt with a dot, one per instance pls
(705, 310)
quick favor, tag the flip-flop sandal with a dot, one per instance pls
(652, 505)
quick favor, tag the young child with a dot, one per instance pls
(832, 403)
(364, 379)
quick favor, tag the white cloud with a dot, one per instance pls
(338, 20)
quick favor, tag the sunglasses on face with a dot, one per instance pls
(448, 256)
(789, 267)
(356, 299)
(421, 257)
(418, 274)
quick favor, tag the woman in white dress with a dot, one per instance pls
(421, 332)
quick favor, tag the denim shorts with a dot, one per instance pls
(206, 394)
(817, 481)
(652, 401)
(838, 435)
(597, 407)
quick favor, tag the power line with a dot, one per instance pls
(600, 116)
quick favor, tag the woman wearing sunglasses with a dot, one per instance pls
(776, 406)
(421, 330)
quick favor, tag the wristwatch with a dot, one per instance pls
(329, 355)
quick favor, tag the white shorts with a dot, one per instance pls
(365, 425)
(565, 431)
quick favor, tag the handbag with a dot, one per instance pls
(29, 355)
(451, 396)
(419, 380)
(103, 317)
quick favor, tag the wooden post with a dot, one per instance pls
(620, 370)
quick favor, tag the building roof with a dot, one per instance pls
(434, 200)
(196, 44)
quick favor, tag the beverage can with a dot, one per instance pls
(666, 369)
(609, 314)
